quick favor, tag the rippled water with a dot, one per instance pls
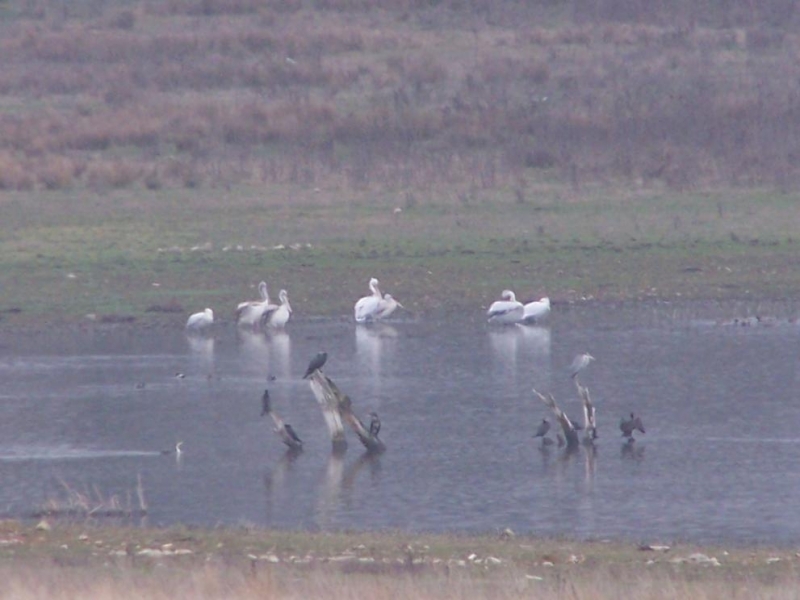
(94, 410)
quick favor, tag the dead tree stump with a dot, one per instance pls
(570, 433)
(288, 435)
(589, 417)
(338, 408)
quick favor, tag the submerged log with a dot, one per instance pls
(337, 409)
(589, 416)
(284, 430)
(570, 433)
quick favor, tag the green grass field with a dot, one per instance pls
(137, 254)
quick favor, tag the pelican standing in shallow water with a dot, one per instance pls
(386, 307)
(367, 307)
(533, 312)
(278, 316)
(200, 320)
(579, 364)
(250, 313)
(506, 311)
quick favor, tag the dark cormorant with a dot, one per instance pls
(543, 428)
(265, 407)
(290, 430)
(374, 424)
(630, 425)
(316, 363)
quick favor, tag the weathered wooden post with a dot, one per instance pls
(589, 416)
(287, 433)
(570, 433)
(338, 408)
(328, 397)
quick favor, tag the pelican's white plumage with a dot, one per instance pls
(279, 315)
(536, 311)
(367, 307)
(250, 313)
(507, 310)
(200, 320)
(386, 307)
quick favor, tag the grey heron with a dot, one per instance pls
(579, 364)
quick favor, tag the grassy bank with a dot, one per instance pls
(82, 560)
(153, 257)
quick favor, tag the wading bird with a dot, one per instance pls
(278, 316)
(508, 310)
(374, 424)
(533, 312)
(579, 364)
(386, 307)
(628, 426)
(250, 313)
(290, 431)
(316, 363)
(200, 320)
(265, 403)
(367, 307)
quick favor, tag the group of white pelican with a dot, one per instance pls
(263, 312)
(251, 313)
(509, 310)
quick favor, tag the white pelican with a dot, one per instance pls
(200, 320)
(579, 364)
(507, 310)
(536, 311)
(278, 316)
(386, 307)
(367, 307)
(250, 313)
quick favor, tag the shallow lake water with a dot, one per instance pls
(92, 411)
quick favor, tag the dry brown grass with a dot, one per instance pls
(377, 91)
(88, 561)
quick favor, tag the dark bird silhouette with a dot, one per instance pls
(544, 427)
(316, 363)
(265, 406)
(628, 426)
(374, 424)
(290, 431)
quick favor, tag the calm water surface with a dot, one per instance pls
(719, 461)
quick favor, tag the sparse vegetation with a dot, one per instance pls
(87, 561)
